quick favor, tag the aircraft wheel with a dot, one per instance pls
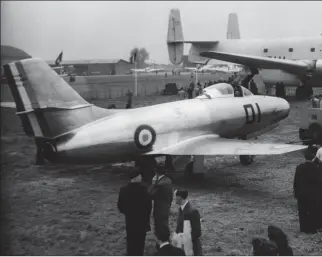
(246, 159)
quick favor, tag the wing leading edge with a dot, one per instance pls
(214, 145)
(291, 66)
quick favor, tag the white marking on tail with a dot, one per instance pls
(26, 101)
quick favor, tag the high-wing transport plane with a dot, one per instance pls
(293, 61)
(70, 130)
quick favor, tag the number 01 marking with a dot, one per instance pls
(251, 114)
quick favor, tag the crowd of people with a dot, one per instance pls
(135, 201)
(154, 195)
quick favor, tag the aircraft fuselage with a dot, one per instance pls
(127, 134)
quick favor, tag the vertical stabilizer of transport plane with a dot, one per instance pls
(175, 37)
(233, 27)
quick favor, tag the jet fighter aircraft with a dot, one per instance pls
(71, 130)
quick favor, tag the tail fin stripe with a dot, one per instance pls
(37, 119)
(15, 93)
(27, 92)
(17, 81)
(20, 82)
(43, 123)
(36, 128)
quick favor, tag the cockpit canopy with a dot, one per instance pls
(221, 90)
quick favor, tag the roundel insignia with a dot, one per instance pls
(144, 137)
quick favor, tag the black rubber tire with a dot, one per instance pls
(315, 132)
(246, 159)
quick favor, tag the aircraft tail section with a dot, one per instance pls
(233, 27)
(59, 59)
(175, 37)
(175, 42)
(46, 104)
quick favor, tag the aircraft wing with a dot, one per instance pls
(290, 66)
(214, 145)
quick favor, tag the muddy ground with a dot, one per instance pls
(60, 210)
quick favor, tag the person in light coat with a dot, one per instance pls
(188, 231)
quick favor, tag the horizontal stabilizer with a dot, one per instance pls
(214, 145)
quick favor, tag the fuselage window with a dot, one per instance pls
(290, 49)
(265, 50)
(312, 49)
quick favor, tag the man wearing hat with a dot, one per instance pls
(162, 196)
(135, 203)
(188, 219)
(306, 191)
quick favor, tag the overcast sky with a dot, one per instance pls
(107, 30)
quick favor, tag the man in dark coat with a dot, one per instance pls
(187, 212)
(129, 96)
(190, 90)
(253, 87)
(135, 203)
(162, 196)
(165, 248)
(306, 191)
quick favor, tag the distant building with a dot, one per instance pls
(99, 67)
(11, 54)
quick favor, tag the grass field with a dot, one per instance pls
(71, 210)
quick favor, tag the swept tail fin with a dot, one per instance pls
(46, 104)
(59, 59)
(233, 27)
(175, 37)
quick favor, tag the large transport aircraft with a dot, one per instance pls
(68, 129)
(293, 61)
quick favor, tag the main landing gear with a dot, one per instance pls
(193, 168)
